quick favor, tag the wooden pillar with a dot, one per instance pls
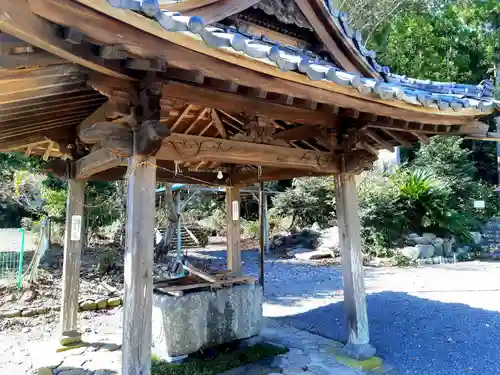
(138, 295)
(233, 230)
(358, 344)
(262, 231)
(73, 244)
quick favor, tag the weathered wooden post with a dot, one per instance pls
(139, 244)
(358, 344)
(73, 243)
(233, 230)
(262, 231)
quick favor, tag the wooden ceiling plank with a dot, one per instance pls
(25, 25)
(40, 92)
(51, 104)
(26, 132)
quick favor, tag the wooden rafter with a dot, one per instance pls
(217, 11)
(335, 52)
(218, 124)
(400, 139)
(181, 117)
(25, 25)
(378, 139)
(198, 118)
(421, 137)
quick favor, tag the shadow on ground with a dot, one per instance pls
(417, 335)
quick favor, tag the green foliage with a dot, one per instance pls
(453, 41)
(226, 359)
(309, 200)
(251, 228)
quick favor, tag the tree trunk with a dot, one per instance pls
(165, 244)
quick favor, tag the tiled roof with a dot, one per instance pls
(438, 95)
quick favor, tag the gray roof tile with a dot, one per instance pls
(442, 95)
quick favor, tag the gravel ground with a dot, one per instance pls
(432, 320)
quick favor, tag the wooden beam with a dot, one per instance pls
(217, 11)
(191, 148)
(297, 133)
(378, 139)
(25, 25)
(245, 178)
(401, 140)
(421, 137)
(358, 344)
(218, 124)
(73, 244)
(96, 162)
(233, 230)
(99, 20)
(237, 103)
(48, 150)
(334, 29)
(138, 293)
(183, 6)
(27, 60)
(335, 52)
(200, 116)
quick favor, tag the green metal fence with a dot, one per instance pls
(12, 243)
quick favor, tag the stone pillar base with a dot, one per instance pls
(69, 338)
(358, 351)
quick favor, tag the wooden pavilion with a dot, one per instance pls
(258, 90)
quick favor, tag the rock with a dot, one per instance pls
(410, 252)
(44, 371)
(28, 312)
(426, 251)
(430, 236)
(412, 236)
(476, 237)
(315, 227)
(101, 303)
(296, 251)
(26, 329)
(88, 305)
(437, 241)
(10, 313)
(114, 302)
(28, 296)
(329, 240)
(314, 255)
(438, 250)
(463, 250)
(448, 248)
(76, 371)
(421, 241)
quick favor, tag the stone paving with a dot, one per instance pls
(308, 354)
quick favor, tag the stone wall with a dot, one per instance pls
(199, 320)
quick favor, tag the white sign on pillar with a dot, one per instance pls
(236, 210)
(76, 227)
